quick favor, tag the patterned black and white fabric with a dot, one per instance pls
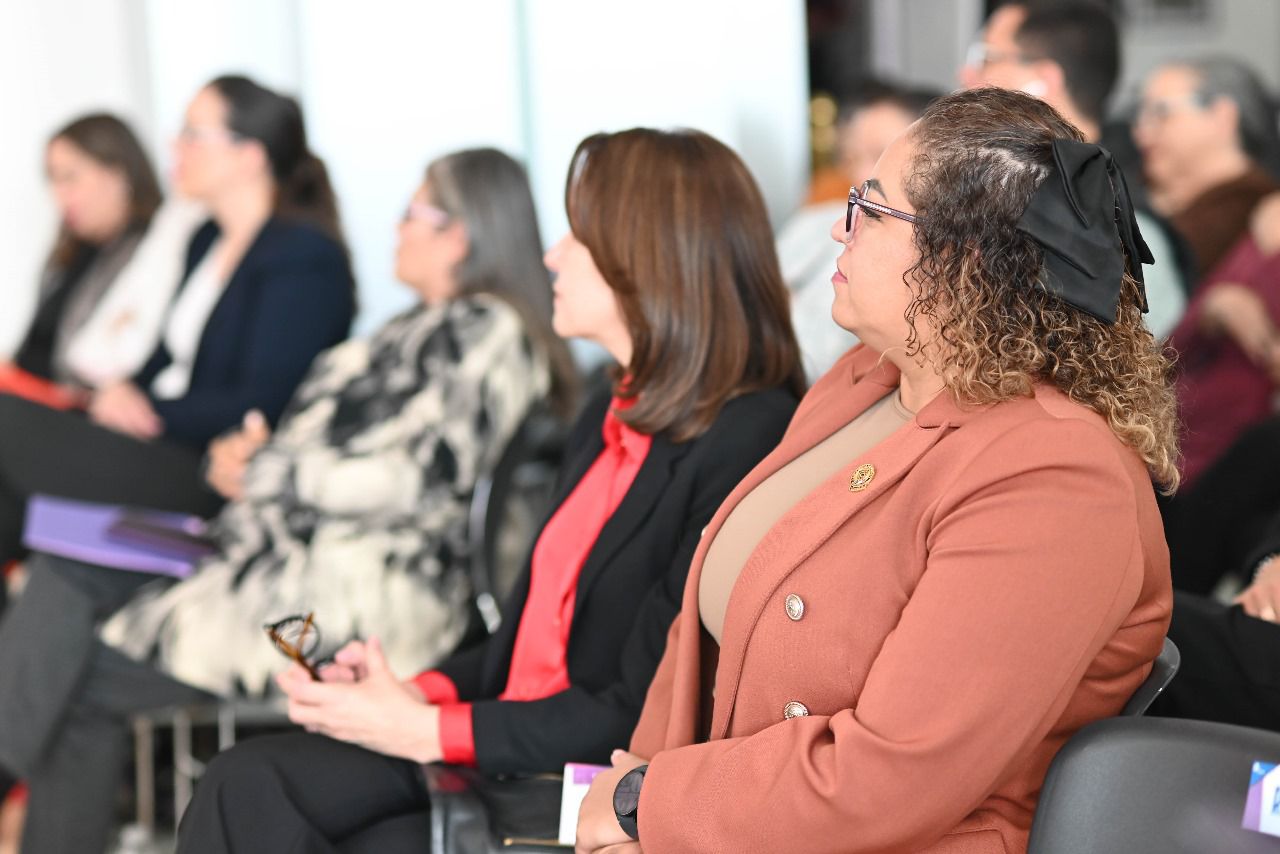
(356, 508)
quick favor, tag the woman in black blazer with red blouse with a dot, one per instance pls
(267, 287)
(669, 264)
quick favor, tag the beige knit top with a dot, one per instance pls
(760, 509)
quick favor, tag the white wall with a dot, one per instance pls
(1245, 29)
(389, 84)
(733, 69)
(382, 101)
(923, 42)
(58, 60)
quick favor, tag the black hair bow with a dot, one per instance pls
(1083, 217)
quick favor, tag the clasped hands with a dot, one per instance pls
(1240, 313)
(598, 828)
(360, 701)
(122, 407)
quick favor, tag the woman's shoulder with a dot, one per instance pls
(485, 313)
(751, 423)
(1047, 429)
(296, 243)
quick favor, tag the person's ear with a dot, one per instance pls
(1046, 82)
(253, 156)
(1225, 114)
(1035, 87)
(456, 241)
(1054, 80)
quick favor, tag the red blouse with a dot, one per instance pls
(538, 664)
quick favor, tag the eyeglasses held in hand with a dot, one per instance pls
(298, 638)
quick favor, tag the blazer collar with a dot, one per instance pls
(813, 520)
(869, 376)
(650, 484)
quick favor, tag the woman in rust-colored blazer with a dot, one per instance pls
(954, 559)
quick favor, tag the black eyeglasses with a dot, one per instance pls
(858, 202)
(298, 638)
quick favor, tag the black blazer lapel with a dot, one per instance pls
(650, 483)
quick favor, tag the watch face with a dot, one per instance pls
(626, 797)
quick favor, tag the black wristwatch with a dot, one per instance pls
(626, 800)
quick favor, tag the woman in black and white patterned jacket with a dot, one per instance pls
(356, 507)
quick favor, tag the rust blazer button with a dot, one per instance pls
(795, 709)
(795, 607)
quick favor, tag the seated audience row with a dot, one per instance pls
(688, 508)
(935, 435)
(655, 459)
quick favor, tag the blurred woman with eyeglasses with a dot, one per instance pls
(267, 286)
(1206, 129)
(355, 509)
(106, 194)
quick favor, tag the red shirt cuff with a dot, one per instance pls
(457, 743)
(436, 688)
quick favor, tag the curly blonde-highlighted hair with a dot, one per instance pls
(996, 332)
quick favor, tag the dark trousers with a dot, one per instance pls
(1215, 526)
(1230, 669)
(65, 702)
(43, 450)
(307, 794)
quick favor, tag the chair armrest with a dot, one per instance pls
(472, 812)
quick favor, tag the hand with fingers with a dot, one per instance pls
(229, 455)
(123, 407)
(598, 828)
(359, 700)
(1261, 599)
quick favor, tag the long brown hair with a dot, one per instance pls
(677, 227)
(489, 194)
(109, 142)
(979, 157)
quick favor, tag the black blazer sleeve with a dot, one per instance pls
(298, 301)
(620, 632)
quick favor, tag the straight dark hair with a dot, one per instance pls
(109, 142)
(677, 227)
(1083, 39)
(303, 190)
(488, 192)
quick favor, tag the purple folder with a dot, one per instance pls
(115, 537)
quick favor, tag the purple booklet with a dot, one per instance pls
(116, 537)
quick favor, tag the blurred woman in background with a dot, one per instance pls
(106, 194)
(1210, 151)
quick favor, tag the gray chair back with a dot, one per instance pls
(1137, 785)
(1163, 669)
(507, 506)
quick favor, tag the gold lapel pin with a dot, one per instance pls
(862, 477)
